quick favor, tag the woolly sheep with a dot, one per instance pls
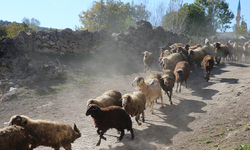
(147, 60)
(108, 98)
(110, 117)
(16, 138)
(197, 55)
(238, 50)
(134, 105)
(182, 72)
(168, 78)
(221, 51)
(208, 64)
(170, 61)
(152, 91)
(50, 133)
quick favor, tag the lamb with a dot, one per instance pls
(147, 60)
(152, 91)
(208, 64)
(110, 117)
(16, 138)
(182, 72)
(197, 55)
(221, 51)
(168, 78)
(170, 61)
(108, 98)
(50, 133)
(134, 105)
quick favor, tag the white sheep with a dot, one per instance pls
(134, 104)
(108, 98)
(147, 60)
(170, 61)
(152, 91)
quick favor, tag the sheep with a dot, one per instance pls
(108, 98)
(170, 61)
(152, 91)
(16, 138)
(50, 133)
(208, 64)
(238, 50)
(246, 49)
(197, 55)
(134, 105)
(110, 117)
(221, 51)
(147, 60)
(182, 50)
(163, 53)
(181, 71)
(168, 78)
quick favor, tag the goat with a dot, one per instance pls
(182, 72)
(152, 91)
(208, 64)
(134, 105)
(147, 60)
(50, 133)
(110, 117)
(108, 98)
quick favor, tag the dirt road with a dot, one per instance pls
(205, 115)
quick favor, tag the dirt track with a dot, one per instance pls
(211, 115)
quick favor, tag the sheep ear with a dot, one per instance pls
(141, 81)
(121, 99)
(129, 98)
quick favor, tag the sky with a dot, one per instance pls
(61, 14)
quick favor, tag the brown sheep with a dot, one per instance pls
(50, 133)
(152, 91)
(147, 60)
(110, 117)
(182, 72)
(170, 61)
(16, 138)
(221, 51)
(208, 64)
(134, 104)
(108, 98)
(168, 78)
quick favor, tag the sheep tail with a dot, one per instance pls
(77, 131)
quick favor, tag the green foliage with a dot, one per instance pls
(201, 18)
(240, 30)
(116, 16)
(14, 28)
(242, 147)
(3, 32)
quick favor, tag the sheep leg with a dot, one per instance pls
(101, 137)
(186, 83)
(143, 116)
(161, 101)
(132, 134)
(67, 147)
(180, 86)
(170, 100)
(137, 119)
(121, 136)
(152, 105)
(177, 86)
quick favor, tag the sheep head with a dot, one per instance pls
(91, 101)
(187, 47)
(18, 120)
(167, 79)
(92, 110)
(146, 54)
(179, 73)
(125, 100)
(137, 81)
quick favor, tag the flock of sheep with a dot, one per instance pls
(114, 110)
